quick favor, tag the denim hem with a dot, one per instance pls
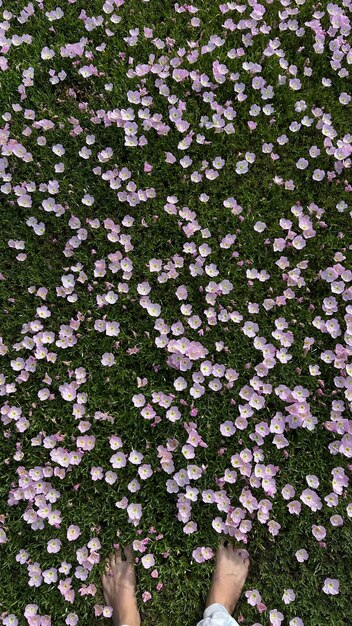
(217, 615)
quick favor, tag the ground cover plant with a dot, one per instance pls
(176, 318)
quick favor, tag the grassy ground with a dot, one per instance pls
(77, 102)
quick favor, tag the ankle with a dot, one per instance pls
(128, 618)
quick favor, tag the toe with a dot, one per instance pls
(244, 554)
(237, 555)
(222, 545)
(117, 556)
(129, 553)
(107, 566)
(106, 570)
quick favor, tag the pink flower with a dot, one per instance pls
(53, 546)
(122, 504)
(274, 527)
(318, 532)
(135, 457)
(88, 590)
(35, 620)
(107, 611)
(301, 555)
(331, 586)
(50, 575)
(148, 560)
(94, 544)
(115, 442)
(336, 520)
(294, 507)
(288, 492)
(190, 527)
(275, 617)
(98, 610)
(311, 499)
(182, 293)
(288, 596)
(110, 477)
(198, 556)
(30, 610)
(118, 460)
(146, 596)
(253, 597)
(227, 428)
(134, 511)
(70, 596)
(68, 392)
(10, 620)
(207, 553)
(73, 532)
(313, 481)
(108, 359)
(96, 473)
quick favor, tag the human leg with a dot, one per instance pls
(228, 580)
(119, 586)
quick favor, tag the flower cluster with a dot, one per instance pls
(178, 320)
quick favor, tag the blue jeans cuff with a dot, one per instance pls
(220, 615)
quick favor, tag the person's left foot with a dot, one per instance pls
(229, 576)
(119, 586)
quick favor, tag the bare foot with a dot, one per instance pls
(229, 576)
(119, 586)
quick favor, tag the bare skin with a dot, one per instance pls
(119, 586)
(229, 576)
(119, 582)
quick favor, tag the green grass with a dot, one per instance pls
(156, 234)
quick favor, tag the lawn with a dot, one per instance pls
(176, 306)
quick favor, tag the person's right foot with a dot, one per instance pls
(229, 576)
(119, 586)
